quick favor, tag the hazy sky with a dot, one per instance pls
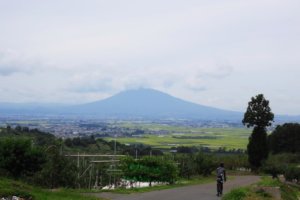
(217, 53)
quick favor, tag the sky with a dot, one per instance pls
(216, 53)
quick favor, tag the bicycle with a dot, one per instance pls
(219, 186)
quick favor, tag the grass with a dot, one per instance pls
(236, 194)
(267, 181)
(231, 138)
(61, 195)
(246, 193)
(289, 192)
(15, 188)
(257, 192)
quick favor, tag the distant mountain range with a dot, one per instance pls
(132, 104)
(149, 103)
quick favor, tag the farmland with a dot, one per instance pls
(158, 134)
(167, 136)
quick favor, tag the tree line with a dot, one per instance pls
(39, 158)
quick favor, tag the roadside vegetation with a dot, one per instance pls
(267, 188)
(9, 188)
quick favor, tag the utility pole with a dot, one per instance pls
(135, 152)
(115, 149)
(78, 166)
(114, 164)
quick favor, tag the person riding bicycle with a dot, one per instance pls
(221, 177)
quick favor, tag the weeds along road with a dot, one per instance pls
(195, 192)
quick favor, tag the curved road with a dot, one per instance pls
(195, 192)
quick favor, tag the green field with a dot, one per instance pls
(230, 138)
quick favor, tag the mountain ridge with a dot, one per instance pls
(142, 103)
(150, 103)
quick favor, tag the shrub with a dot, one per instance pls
(273, 166)
(205, 164)
(19, 158)
(186, 165)
(288, 192)
(292, 173)
(236, 194)
(149, 169)
(58, 171)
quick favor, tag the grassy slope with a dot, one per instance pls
(254, 193)
(9, 188)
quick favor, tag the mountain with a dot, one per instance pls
(30, 108)
(134, 104)
(149, 103)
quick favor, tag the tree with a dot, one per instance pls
(274, 166)
(258, 116)
(186, 165)
(292, 173)
(18, 158)
(285, 138)
(204, 164)
(58, 171)
(149, 169)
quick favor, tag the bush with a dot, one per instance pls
(292, 173)
(262, 193)
(205, 164)
(19, 158)
(149, 169)
(288, 192)
(236, 194)
(267, 181)
(273, 166)
(233, 161)
(58, 171)
(186, 165)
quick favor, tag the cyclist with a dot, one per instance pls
(221, 177)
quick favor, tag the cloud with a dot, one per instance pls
(92, 82)
(11, 62)
(117, 77)
(218, 72)
(203, 51)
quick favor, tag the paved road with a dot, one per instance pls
(196, 192)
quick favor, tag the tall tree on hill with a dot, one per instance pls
(258, 116)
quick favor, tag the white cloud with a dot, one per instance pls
(11, 62)
(216, 53)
